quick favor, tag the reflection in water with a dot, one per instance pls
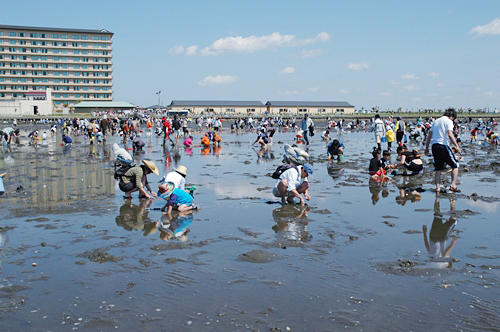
(376, 186)
(135, 217)
(264, 154)
(439, 234)
(175, 226)
(291, 223)
(334, 170)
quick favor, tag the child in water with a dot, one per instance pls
(377, 167)
(177, 199)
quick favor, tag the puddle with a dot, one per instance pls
(362, 254)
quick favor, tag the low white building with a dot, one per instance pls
(35, 103)
(309, 107)
(220, 107)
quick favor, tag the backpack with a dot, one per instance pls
(121, 171)
(281, 168)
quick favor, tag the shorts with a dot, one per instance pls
(276, 192)
(443, 155)
(379, 173)
(379, 136)
(126, 187)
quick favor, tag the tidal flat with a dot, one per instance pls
(362, 255)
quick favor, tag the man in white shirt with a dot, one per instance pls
(440, 132)
(292, 183)
(379, 129)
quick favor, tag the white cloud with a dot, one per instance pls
(489, 29)
(412, 88)
(311, 53)
(259, 43)
(176, 50)
(385, 94)
(434, 74)
(440, 85)
(432, 94)
(488, 94)
(315, 89)
(344, 92)
(290, 92)
(409, 77)
(394, 83)
(219, 79)
(288, 70)
(416, 99)
(358, 65)
(191, 50)
(448, 97)
(477, 89)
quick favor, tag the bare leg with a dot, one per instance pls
(454, 176)
(438, 181)
(282, 185)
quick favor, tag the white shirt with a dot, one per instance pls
(121, 152)
(379, 126)
(440, 129)
(293, 177)
(178, 180)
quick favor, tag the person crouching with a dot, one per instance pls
(176, 199)
(293, 183)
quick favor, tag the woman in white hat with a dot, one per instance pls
(177, 177)
(135, 179)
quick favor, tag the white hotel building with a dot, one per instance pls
(76, 64)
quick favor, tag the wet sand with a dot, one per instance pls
(75, 255)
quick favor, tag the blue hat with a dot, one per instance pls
(308, 168)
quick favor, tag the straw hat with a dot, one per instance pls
(181, 169)
(152, 166)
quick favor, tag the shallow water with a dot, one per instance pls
(354, 258)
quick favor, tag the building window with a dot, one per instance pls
(64, 36)
(55, 44)
(33, 35)
(45, 80)
(44, 58)
(75, 37)
(55, 35)
(22, 42)
(77, 95)
(84, 37)
(302, 110)
(64, 44)
(104, 37)
(34, 50)
(21, 34)
(56, 73)
(43, 50)
(321, 110)
(96, 45)
(45, 65)
(85, 52)
(12, 34)
(34, 42)
(95, 37)
(55, 65)
(74, 44)
(84, 45)
(55, 51)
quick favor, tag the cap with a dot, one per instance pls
(308, 168)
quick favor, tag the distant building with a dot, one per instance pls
(74, 63)
(34, 103)
(224, 107)
(310, 107)
(99, 106)
(221, 107)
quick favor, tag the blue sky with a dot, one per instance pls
(386, 54)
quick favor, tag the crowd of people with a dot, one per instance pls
(440, 136)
